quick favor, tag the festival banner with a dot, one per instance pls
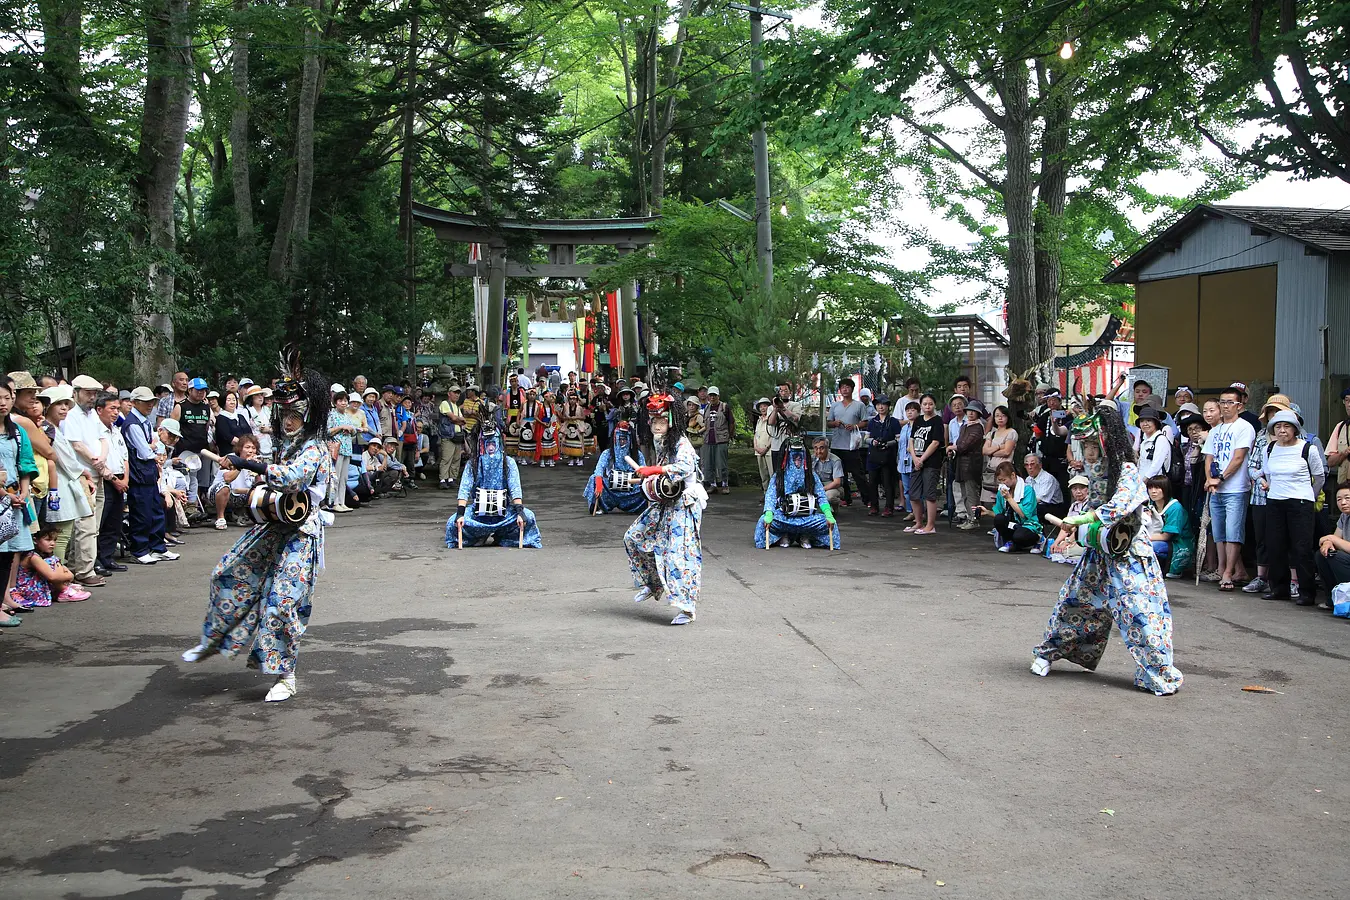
(480, 304)
(588, 344)
(616, 347)
(523, 317)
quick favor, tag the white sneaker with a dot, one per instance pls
(1040, 667)
(785, 542)
(646, 594)
(220, 525)
(284, 689)
(1257, 585)
(806, 543)
(168, 555)
(148, 559)
(684, 618)
(197, 654)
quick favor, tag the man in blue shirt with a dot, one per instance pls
(145, 505)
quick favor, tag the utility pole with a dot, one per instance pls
(763, 210)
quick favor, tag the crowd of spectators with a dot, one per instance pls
(1229, 487)
(103, 478)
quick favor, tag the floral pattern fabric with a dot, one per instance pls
(261, 589)
(612, 460)
(664, 549)
(1126, 593)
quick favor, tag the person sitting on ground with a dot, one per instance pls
(1173, 543)
(376, 464)
(829, 470)
(1333, 550)
(402, 476)
(1066, 548)
(795, 505)
(1049, 498)
(42, 577)
(1016, 525)
(229, 490)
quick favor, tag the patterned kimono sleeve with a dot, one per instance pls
(466, 482)
(605, 463)
(1130, 495)
(513, 480)
(297, 474)
(685, 462)
(771, 494)
(641, 459)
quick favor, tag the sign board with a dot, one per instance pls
(1156, 376)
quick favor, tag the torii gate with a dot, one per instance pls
(561, 236)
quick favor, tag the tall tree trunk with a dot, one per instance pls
(293, 225)
(407, 228)
(1018, 188)
(61, 41)
(1056, 106)
(164, 119)
(239, 166)
(664, 120)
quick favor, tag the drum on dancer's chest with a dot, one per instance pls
(268, 506)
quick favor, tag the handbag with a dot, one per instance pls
(11, 520)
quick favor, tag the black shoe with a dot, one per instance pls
(115, 567)
(1305, 600)
(1274, 596)
(101, 572)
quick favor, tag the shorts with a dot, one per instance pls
(923, 484)
(1228, 516)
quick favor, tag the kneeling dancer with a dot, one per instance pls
(795, 505)
(663, 546)
(491, 507)
(616, 483)
(260, 591)
(1117, 580)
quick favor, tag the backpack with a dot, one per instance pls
(1176, 471)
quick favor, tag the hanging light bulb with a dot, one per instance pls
(1066, 50)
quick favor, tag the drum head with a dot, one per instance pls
(513, 428)
(527, 432)
(586, 429)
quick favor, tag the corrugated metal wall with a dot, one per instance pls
(1301, 299)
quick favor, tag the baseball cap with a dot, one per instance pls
(1239, 387)
(1079, 479)
(354, 397)
(215, 394)
(124, 395)
(454, 388)
(85, 383)
(171, 426)
(865, 392)
(714, 390)
(245, 382)
(336, 388)
(197, 384)
(57, 392)
(163, 389)
(143, 394)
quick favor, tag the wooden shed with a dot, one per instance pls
(1253, 294)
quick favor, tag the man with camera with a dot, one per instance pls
(784, 419)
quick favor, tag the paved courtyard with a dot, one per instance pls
(509, 724)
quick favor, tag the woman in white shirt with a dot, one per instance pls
(260, 418)
(1291, 473)
(1155, 449)
(70, 496)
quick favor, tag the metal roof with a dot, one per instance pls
(457, 226)
(959, 327)
(1325, 231)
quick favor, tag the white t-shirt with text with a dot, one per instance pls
(1223, 442)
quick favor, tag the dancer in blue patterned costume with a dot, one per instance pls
(260, 591)
(1125, 591)
(613, 460)
(491, 506)
(814, 528)
(663, 546)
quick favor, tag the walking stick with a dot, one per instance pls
(459, 525)
(520, 544)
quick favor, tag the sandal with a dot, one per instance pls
(1227, 586)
